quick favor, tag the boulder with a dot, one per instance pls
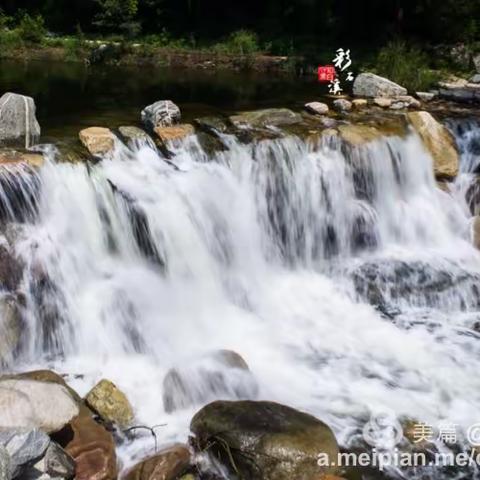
(221, 374)
(371, 85)
(318, 108)
(166, 465)
(14, 157)
(24, 446)
(438, 141)
(175, 133)
(10, 328)
(213, 125)
(98, 140)
(161, 114)
(134, 134)
(32, 404)
(274, 117)
(383, 102)
(93, 450)
(425, 96)
(342, 105)
(5, 464)
(18, 121)
(476, 232)
(359, 103)
(56, 463)
(110, 403)
(265, 440)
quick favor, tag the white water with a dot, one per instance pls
(258, 243)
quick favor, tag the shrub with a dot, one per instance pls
(32, 29)
(406, 65)
(241, 42)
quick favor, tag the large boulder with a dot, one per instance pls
(24, 446)
(438, 141)
(93, 450)
(371, 85)
(219, 375)
(265, 440)
(32, 404)
(18, 121)
(169, 464)
(97, 140)
(110, 403)
(271, 117)
(161, 114)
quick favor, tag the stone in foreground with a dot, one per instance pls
(110, 403)
(161, 114)
(371, 85)
(98, 140)
(342, 105)
(317, 108)
(175, 133)
(18, 122)
(265, 440)
(439, 142)
(169, 464)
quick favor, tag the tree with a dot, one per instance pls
(118, 15)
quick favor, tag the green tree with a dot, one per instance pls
(118, 15)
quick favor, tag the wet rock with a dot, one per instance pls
(110, 403)
(32, 404)
(175, 133)
(438, 141)
(134, 134)
(167, 465)
(98, 140)
(161, 114)
(371, 85)
(18, 121)
(221, 374)
(425, 96)
(213, 125)
(359, 103)
(356, 134)
(318, 108)
(24, 446)
(11, 270)
(383, 102)
(10, 328)
(263, 118)
(56, 463)
(264, 440)
(14, 157)
(476, 232)
(93, 450)
(342, 105)
(5, 464)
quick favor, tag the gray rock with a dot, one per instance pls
(5, 464)
(24, 446)
(10, 328)
(56, 462)
(221, 374)
(475, 78)
(18, 122)
(476, 62)
(161, 114)
(342, 105)
(318, 108)
(211, 124)
(371, 85)
(425, 96)
(270, 117)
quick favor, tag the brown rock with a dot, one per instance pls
(383, 102)
(11, 157)
(174, 133)
(358, 134)
(167, 465)
(359, 103)
(438, 141)
(93, 450)
(98, 141)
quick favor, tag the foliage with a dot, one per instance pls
(32, 29)
(241, 42)
(118, 15)
(406, 65)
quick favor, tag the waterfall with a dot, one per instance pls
(343, 276)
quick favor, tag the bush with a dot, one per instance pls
(32, 29)
(241, 42)
(406, 65)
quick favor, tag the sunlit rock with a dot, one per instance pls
(356, 134)
(318, 108)
(383, 102)
(134, 134)
(110, 403)
(438, 141)
(265, 440)
(98, 140)
(359, 103)
(174, 133)
(425, 96)
(13, 157)
(18, 121)
(169, 464)
(371, 85)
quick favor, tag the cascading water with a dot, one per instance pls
(342, 275)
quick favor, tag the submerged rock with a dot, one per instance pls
(274, 117)
(169, 464)
(110, 403)
(318, 108)
(174, 133)
(476, 232)
(265, 440)
(222, 374)
(32, 404)
(161, 114)
(18, 121)
(356, 134)
(371, 85)
(98, 140)
(438, 141)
